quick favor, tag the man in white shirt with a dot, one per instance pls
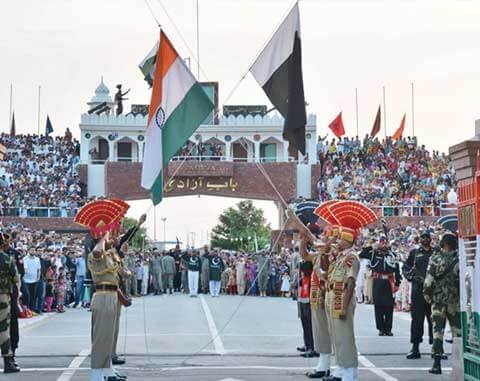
(31, 277)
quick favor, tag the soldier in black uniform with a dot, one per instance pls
(14, 309)
(415, 271)
(386, 279)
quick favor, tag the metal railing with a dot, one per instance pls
(407, 211)
(38, 211)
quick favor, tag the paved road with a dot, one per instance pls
(226, 338)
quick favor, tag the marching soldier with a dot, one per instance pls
(264, 266)
(340, 305)
(321, 335)
(415, 271)
(442, 290)
(386, 279)
(9, 279)
(104, 267)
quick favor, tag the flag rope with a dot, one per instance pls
(237, 308)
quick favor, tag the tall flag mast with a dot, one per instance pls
(278, 70)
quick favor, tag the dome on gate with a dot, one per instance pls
(101, 94)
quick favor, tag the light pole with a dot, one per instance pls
(164, 220)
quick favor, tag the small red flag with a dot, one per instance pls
(399, 133)
(337, 126)
(377, 123)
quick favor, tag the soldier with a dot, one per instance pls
(264, 265)
(14, 308)
(9, 279)
(168, 263)
(321, 335)
(104, 267)
(415, 271)
(131, 281)
(340, 303)
(157, 272)
(205, 276)
(442, 290)
(386, 279)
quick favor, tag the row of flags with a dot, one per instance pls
(338, 129)
(179, 104)
(48, 126)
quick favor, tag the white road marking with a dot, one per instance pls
(253, 367)
(217, 340)
(73, 367)
(377, 371)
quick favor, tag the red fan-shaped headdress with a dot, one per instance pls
(346, 216)
(101, 216)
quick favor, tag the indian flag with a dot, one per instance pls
(177, 107)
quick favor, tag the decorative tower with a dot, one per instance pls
(101, 102)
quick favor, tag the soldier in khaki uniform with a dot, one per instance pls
(340, 306)
(321, 335)
(104, 266)
(8, 279)
(345, 218)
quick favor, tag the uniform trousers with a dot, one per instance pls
(157, 280)
(420, 310)
(193, 277)
(117, 330)
(306, 319)
(440, 314)
(384, 318)
(104, 315)
(214, 286)
(5, 344)
(321, 336)
(342, 334)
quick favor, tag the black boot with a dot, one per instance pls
(437, 367)
(414, 352)
(9, 365)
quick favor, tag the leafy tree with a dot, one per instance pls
(238, 227)
(140, 239)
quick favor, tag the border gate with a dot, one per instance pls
(469, 253)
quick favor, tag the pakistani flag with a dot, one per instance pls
(177, 107)
(278, 70)
(147, 66)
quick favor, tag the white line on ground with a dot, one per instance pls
(73, 367)
(217, 341)
(377, 371)
(259, 367)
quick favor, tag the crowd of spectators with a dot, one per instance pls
(401, 176)
(38, 176)
(53, 268)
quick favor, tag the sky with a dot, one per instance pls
(65, 46)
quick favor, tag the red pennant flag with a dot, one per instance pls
(337, 126)
(377, 123)
(399, 133)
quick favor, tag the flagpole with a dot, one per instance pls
(39, 95)
(198, 40)
(155, 223)
(11, 105)
(384, 112)
(413, 110)
(356, 108)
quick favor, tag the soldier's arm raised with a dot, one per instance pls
(304, 252)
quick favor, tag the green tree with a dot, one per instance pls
(140, 239)
(238, 227)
